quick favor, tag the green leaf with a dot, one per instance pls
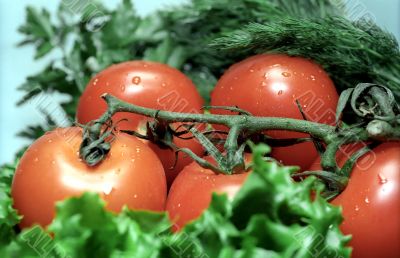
(31, 243)
(8, 216)
(84, 229)
(43, 49)
(34, 132)
(342, 102)
(49, 80)
(38, 31)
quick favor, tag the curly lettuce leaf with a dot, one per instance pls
(8, 216)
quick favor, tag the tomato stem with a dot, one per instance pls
(384, 126)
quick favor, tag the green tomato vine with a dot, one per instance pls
(374, 104)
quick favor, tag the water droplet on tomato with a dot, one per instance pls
(107, 189)
(122, 87)
(382, 179)
(118, 171)
(50, 141)
(280, 92)
(312, 77)
(251, 70)
(286, 74)
(53, 162)
(366, 200)
(136, 80)
(179, 205)
(95, 81)
(357, 208)
(163, 84)
(36, 159)
(135, 196)
(235, 78)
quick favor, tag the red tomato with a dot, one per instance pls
(192, 190)
(269, 85)
(371, 204)
(146, 84)
(50, 171)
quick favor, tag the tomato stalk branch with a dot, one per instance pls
(250, 123)
(375, 104)
(332, 137)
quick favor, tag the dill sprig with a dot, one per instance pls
(351, 52)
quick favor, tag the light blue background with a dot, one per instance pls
(17, 63)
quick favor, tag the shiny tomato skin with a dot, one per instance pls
(371, 204)
(50, 171)
(147, 84)
(192, 190)
(268, 85)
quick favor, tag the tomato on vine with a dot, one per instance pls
(51, 170)
(371, 203)
(269, 85)
(191, 192)
(146, 84)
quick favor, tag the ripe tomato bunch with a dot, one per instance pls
(150, 175)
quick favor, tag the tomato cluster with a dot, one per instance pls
(138, 173)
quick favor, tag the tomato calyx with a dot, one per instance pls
(95, 147)
(334, 183)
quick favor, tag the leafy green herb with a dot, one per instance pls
(39, 31)
(351, 52)
(271, 216)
